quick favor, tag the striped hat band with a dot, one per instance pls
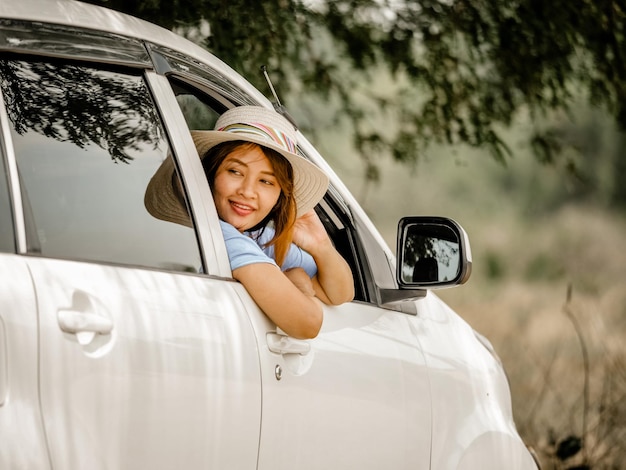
(263, 132)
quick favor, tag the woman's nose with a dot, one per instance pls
(246, 188)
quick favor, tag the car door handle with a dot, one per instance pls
(282, 344)
(71, 321)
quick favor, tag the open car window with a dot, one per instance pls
(201, 111)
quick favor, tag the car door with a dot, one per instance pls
(145, 359)
(357, 396)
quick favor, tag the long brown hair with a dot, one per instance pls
(283, 214)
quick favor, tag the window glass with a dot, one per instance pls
(7, 240)
(171, 62)
(200, 110)
(87, 142)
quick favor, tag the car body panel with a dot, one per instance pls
(21, 431)
(471, 398)
(358, 399)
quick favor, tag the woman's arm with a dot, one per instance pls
(284, 297)
(333, 283)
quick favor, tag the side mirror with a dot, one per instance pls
(432, 252)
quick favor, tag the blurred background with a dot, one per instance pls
(507, 116)
(548, 285)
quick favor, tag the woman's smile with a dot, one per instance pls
(241, 209)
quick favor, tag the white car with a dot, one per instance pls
(124, 341)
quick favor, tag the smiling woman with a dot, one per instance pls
(264, 194)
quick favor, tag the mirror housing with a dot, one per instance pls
(432, 253)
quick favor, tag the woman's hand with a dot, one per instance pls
(309, 233)
(333, 283)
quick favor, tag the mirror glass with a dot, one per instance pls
(431, 254)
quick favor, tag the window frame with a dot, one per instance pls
(7, 153)
(73, 43)
(23, 221)
(196, 188)
(7, 215)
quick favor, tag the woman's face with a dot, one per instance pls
(245, 188)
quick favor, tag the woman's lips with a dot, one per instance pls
(241, 209)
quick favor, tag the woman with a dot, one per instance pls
(265, 194)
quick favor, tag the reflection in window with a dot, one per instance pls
(87, 143)
(198, 109)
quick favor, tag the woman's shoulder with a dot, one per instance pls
(229, 231)
(235, 240)
(242, 250)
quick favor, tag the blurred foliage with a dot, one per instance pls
(589, 151)
(495, 266)
(461, 69)
(543, 267)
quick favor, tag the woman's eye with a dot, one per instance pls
(234, 171)
(268, 182)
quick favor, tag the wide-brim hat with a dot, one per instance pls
(252, 124)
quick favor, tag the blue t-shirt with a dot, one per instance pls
(245, 248)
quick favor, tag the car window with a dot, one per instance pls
(208, 79)
(202, 110)
(341, 231)
(7, 240)
(87, 142)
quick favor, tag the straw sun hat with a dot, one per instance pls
(249, 124)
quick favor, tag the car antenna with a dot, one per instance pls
(280, 109)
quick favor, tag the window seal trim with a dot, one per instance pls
(111, 53)
(15, 193)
